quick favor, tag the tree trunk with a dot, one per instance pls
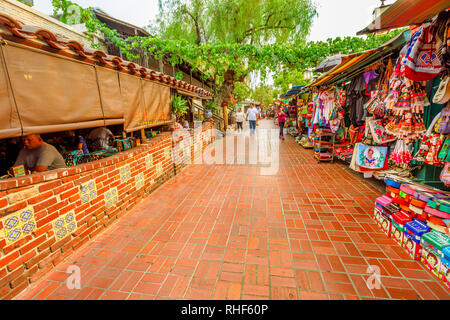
(223, 95)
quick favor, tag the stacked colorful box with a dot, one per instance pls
(399, 219)
(18, 171)
(414, 231)
(418, 219)
(432, 245)
(380, 204)
(124, 144)
(445, 266)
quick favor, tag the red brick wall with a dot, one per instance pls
(55, 193)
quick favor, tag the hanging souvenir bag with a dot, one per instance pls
(443, 124)
(441, 28)
(401, 154)
(442, 95)
(378, 131)
(425, 142)
(443, 153)
(373, 102)
(422, 62)
(371, 157)
(356, 134)
(445, 174)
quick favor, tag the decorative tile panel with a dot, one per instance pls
(149, 161)
(18, 225)
(139, 180)
(88, 191)
(65, 225)
(125, 173)
(111, 197)
(159, 169)
(167, 153)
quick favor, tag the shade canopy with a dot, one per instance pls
(329, 63)
(406, 13)
(291, 92)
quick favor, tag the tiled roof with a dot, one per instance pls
(45, 40)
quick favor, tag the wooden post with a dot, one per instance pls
(143, 137)
(225, 117)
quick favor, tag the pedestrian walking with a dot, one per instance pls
(252, 112)
(239, 119)
(281, 120)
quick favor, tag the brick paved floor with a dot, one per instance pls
(226, 232)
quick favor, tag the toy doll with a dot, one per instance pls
(434, 144)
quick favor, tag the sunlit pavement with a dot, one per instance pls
(227, 232)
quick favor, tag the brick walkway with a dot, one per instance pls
(226, 232)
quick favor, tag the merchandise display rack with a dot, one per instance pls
(320, 143)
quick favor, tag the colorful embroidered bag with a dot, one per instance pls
(372, 157)
(421, 61)
(443, 153)
(445, 174)
(443, 124)
(378, 131)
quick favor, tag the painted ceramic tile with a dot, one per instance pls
(159, 169)
(181, 145)
(111, 197)
(18, 225)
(197, 142)
(149, 161)
(65, 225)
(125, 173)
(88, 191)
(167, 153)
(139, 180)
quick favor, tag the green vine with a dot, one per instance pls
(214, 60)
(28, 3)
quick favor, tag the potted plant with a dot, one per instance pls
(210, 108)
(179, 105)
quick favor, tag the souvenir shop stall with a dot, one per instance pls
(291, 103)
(333, 105)
(396, 101)
(415, 210)
(304, 120)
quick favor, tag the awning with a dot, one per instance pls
(291, 92)
(329, 63)
(406, 13)
(193, 95)
(347, 69)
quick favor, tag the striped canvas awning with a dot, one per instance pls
(405, 13)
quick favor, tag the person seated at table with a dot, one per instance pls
(78, 141)
(100, 138)
(38, 156)
(184, 123)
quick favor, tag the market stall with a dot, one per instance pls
(386, 112)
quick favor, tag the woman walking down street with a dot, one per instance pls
(239, 119)
(281, 120)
